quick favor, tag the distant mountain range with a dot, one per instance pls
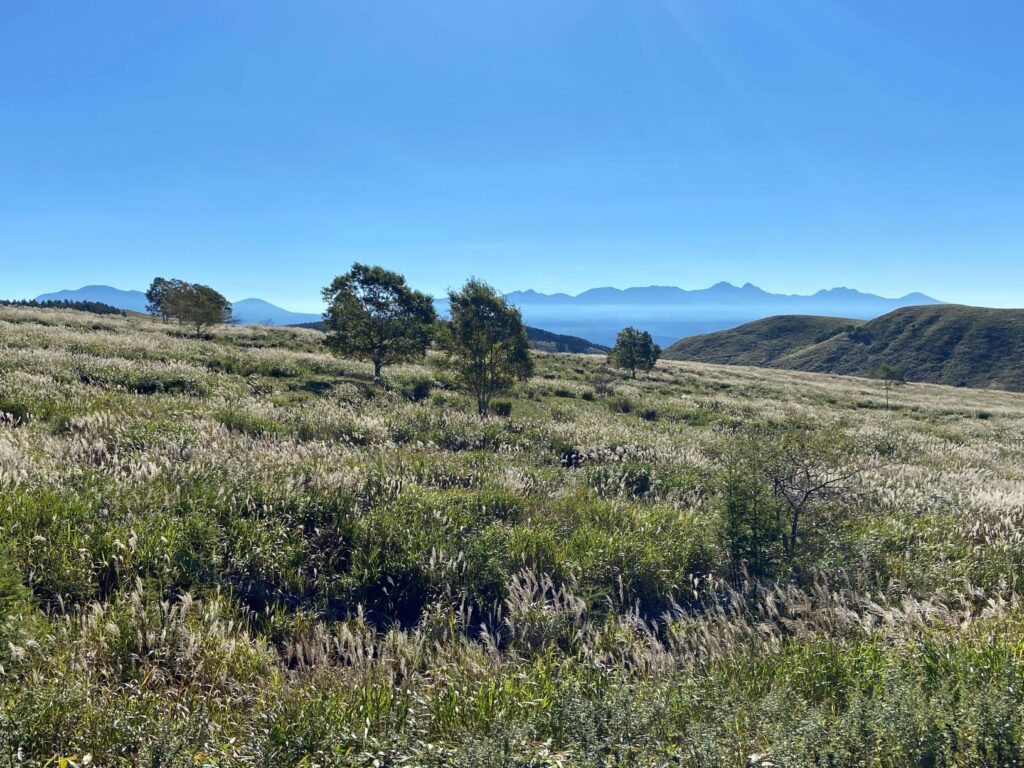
(598, 314)
(246, 311)
(947, 344)
(672, 313)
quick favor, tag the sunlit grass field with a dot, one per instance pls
(239, 551)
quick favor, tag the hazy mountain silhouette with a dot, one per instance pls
(669, 313)
(134, 301)
(246, 311)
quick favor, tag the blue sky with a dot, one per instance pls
(261, 147)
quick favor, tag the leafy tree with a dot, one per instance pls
(634, 351)
(157, 294)
(891, 376)
(196, 305)
(372, 314)
(485, 343)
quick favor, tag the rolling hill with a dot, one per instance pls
(943, 344)
(546, 341)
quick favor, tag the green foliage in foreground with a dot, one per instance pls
(241, 551)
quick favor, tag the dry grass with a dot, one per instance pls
(239, 551)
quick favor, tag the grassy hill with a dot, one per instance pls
(761, 342)
(945, 344)
(239, 550)
(546, 341)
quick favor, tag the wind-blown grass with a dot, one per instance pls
(239, 551)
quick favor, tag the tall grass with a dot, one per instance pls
(241, 551)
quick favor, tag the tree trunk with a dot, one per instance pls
(793, 531)
(376, 371)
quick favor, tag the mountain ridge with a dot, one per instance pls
(949, 344)
(250, 311)
(598, 314)
(721, 288)
(671, 313)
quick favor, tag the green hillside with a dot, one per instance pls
(760, 343)
(546, 341)
(944, 344)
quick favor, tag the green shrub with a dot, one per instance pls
(620, 404)
(19, 411)
(418, 390)
(501, 407)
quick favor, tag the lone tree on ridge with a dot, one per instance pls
(196, 305)
(634, 351)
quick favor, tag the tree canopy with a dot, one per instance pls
(485, 343)
(634, 351)
(157, 294)
(373, 315)
(890, 376)
(195, 305)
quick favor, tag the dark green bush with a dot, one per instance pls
(501, 407)
(418, 390)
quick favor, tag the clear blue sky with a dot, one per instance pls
(558, 145)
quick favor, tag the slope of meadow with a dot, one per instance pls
(943, 344)
(238, 551)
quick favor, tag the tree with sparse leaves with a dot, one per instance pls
(891, 376)
(634, 351)
(196, 305)
(485, 343)
(373, 315)
(784, 492)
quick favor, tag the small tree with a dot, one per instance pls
(373, 315)
(157, 295)
(781, 490)
(891, 376)
(634, 351)
(196, 305)
(485, 343)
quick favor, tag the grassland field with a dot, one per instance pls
(239, 551)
